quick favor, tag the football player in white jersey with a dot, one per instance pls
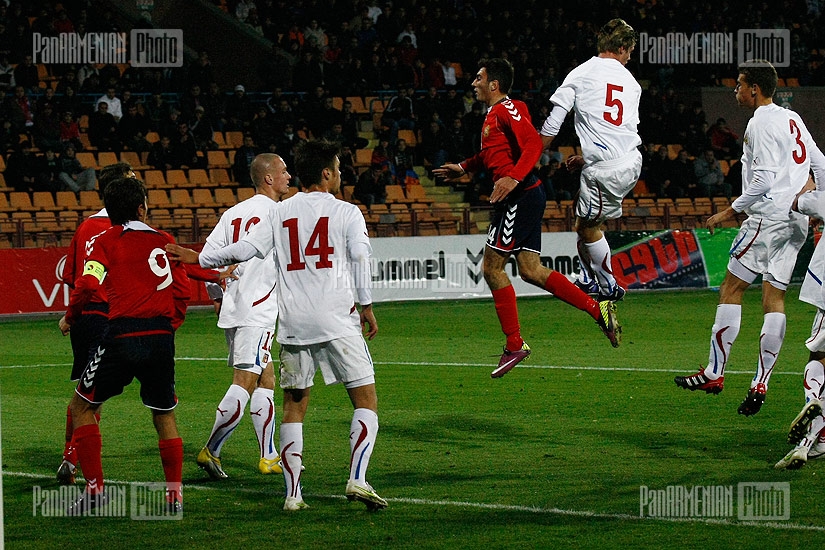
(322, 251)
(605, 99)
(777, 156)
(248, 314)
(807, 431)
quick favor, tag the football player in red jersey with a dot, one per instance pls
(510, 149)
(130, 262)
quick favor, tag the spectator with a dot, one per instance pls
(710, 177)
(262, 129)
(238, 110)
(72, 174)
(21, 168)
(25, 75)
(202, 130)
(214, 103)
(448, 72)
(243, 160)
(48, 171)
(201, 73)
(191, 100)
(115, 106)
(132, 130)
(20, 110)
(403, 162)
(724, 141)
(434, 145)
(683, 181)
(399, 114)
(460, 143)
(286, 142)
(184, 149)
(103, 129)
(371, 186)
(46, 129)
(157, 111)
(161, 157)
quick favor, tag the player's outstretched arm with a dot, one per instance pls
(185, 255)
(368, 323)
(449, 171)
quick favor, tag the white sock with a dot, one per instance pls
(723, 334)
(812, 436)
(227, 417)
(600, 265)
(770, 342)
(292, 448)
(262, 411)
(362, 434)
(585, 275)
(814, 380)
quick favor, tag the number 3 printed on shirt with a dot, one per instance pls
(318, 245)
(610, 101)
(798, 155)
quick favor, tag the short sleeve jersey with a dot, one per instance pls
(313, 235)
(776, 140)
(251, 300)
(138, 276)
(78, 247)
(605, 97)
(813, 204)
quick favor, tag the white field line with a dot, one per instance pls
(431, 364)
(485, 506)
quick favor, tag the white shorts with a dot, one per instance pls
(603, 185)
(817, 340)
(769, 248)
(249, 348)
(344, 360)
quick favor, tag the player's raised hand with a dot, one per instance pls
(181, 254)
(448, 172)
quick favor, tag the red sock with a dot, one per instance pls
(567, 292)
(69, 448)
(88, 442)
(171, 456)
(507, 311)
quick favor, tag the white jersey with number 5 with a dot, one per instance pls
(313, 234)
(776, 140)
(251, 300)
(605, 97)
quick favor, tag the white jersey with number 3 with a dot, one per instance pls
(776, 140)
(312, 234)
(605, 97)
(251, 300)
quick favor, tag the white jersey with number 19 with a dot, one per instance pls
(606, 100)
(313, 235)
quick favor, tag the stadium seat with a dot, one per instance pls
(408, 136)
(44, 200)
(180, 197)
(90, 200)
(5, 207)
(87, 160)
(158, 199)
(199, 178)
(234, 138)
(245, 193)
(21, 201)
(202, 198)
(152, 137)
(363, 158)
(219, 176)
(224, 197)
(176, 178)
(217, 159)
(417, 193)
(395, 194)
(105, 158)
(358, 106)
(133, 160)
(155, 179)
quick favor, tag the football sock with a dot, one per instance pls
(69, 454)
(723, 334)
(89, 444)
(770, 342)
(227, 417)
(567, 292)
(813, 380)
(262, 411)
(292, 448)
(812, 436)
(585, 275)
(171, 457)
(363, 430)
(600, 264)
(507, 311)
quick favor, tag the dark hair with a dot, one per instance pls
(498, 69)
(615, 34)
(123, 197)
(111, 172)
(761, 73)
(311, 158)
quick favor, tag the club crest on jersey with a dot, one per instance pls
(486, 131)
(511, 108)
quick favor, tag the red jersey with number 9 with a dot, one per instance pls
(130, 262)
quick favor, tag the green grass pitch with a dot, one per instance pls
(550, 456)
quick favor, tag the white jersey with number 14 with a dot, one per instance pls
(312, 234)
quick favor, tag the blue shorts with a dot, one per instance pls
(516, 223)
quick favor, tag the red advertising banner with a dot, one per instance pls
(32, 282)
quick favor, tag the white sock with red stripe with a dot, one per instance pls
(811, 438)
(262, 411)
(723, 334)
(813, 380)
(227, 417)
(600, 264)
(362, 433)
(770, 342)
(292, 449)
